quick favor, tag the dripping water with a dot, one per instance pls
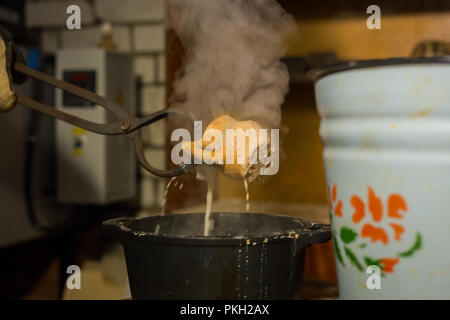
(265, 271)
(238, 288)
(247, 196)
(163, 205)
(246, 269)
(209, 198)
(261, 271)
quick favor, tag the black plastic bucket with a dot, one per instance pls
(246, 256)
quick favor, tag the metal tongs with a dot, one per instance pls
(125, 123)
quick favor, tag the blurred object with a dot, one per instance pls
(320, 263)
(96, 286)
(321, 58)
(113, 266)
(22, 267)
(48, 285)
(297, 68)
(107, 41)
(319, 290)
(429, 49)
(12, 18)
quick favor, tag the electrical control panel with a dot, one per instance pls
(93, 168)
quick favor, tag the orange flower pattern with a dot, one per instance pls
(389, 263)
(396, 203)
(373, 213)
(332, 194)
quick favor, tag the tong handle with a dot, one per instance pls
(125, 125)
(108, 129)
(118, 127)
(119, 111)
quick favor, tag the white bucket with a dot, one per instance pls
(386, 133)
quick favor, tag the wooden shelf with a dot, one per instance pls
(330, 9)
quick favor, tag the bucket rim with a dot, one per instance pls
(318, 73)
(307, 232)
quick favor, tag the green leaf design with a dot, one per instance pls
(348, 235)
(353, 258)
(370, 262)
(363, 245)
(416, 246)
(337, 251)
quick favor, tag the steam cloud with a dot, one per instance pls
(232, 64)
